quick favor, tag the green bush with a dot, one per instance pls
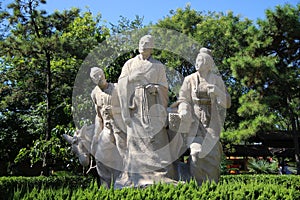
(283, 180)
(262, 167)
(9, 185)
(229, 187)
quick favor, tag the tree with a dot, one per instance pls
(258, 62)
(41, 55)
(269, 68)
(184, 21)
(224, 34)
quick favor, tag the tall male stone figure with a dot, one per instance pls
(143, 93)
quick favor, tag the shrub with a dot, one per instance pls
(229, 187)
(9, 185)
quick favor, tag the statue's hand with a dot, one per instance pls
(211, 90)
(184, 115)
(152, 89)
(136, 75)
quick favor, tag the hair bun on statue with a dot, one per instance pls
(149, 39)
(205, 50)
(95, 71)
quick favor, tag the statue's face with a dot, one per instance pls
(98, 78)
(201, 64)
(145, 45)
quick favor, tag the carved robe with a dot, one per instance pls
(203, 137)
(144, 102)
(109, 141)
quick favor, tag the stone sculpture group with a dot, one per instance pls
(138, 140)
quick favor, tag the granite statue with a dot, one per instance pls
(144, 99)
(137, 140)
(103, 140)
(199, 98)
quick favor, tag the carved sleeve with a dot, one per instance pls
(163, 77)
(223, 98)
(185, 96)
(123, 93)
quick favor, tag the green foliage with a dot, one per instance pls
(40, 56)
(182, 20)
(268, 68)
(57, 148)
(223, 33)
(229, 187)
(258, 62)
(262, 167)
(125, 24)
(224, 163)
(41, 53)
(12, 187)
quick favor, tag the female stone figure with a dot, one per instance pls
(199, 98)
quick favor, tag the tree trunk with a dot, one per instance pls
(296, 144)
(45, 170)
(49, 106)
(295, 138)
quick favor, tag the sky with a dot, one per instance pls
(154, 10)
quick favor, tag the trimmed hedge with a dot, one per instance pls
(229, 187)
(283, 180)
(8, 185)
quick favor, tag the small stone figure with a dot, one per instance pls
(105, 140)
(106, 102)
(109, 141)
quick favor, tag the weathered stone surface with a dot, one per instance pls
(137, 141)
